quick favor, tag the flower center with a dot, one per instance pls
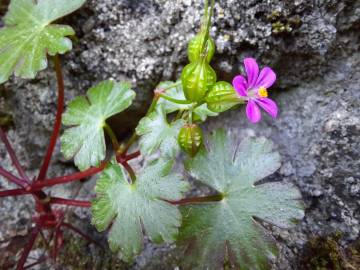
(262, 92)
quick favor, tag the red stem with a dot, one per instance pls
(130, 170)
(28, 247)
(13, 157)
(68, 178)
(132, 156)
(57, 125)
(14, 192)
(55, 200)
(13, 179)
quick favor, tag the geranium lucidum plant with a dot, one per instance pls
(223, 227)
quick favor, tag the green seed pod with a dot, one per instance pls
(195, 48)
(197, 78)
(222, 97)
(190, 139)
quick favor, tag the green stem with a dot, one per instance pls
(208, 24)
(177, 101)
(171, 86)
(112, 136)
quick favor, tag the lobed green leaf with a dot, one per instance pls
(130, 208)
(229, 230)
(28, 35)
(85, 140)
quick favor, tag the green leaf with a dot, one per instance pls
(222, 97)
(130, 208)
(85, 139)
(156, 133)
(229, 230)
(28, 36)
(202, 112)
(175, 92)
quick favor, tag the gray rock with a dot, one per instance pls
(312, 44)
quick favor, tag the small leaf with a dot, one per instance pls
(175, 92)
(222, 97)
(190, 139)
(85, 140)
(130, 208)
(202, 112)
(226, 230)
(156, 133)
(28, 35)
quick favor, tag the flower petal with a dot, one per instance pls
(253, 112)
(266, 78)
(240, 84)
(252, 71)
(269, 106)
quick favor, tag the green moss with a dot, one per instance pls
(281, 23)
(325, 253)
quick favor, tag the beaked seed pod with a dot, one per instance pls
(222, 97)
(197, 78)
(190, 139)
(196, 45)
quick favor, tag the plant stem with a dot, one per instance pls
(132, 156)
(130, 170)
(212, 198)
(69, 178)
(13, 157)
(55, 200)
(13, 179)
(177, 101)
(14, 192)
(57, 125)
(28, 247)
(112, 136)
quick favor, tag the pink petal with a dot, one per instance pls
(240, 84)
(253, 112)
(269, 106)
(252, 71)
(266, 78)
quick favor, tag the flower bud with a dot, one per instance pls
(197, 78)
(190, 139)
(196, 45)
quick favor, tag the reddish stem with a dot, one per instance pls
(14, 192)
(28, 247)
(68, 178)
(213, 198)
(13, 179)
(13, 157)
(130, 170)
(57, 125)
(132, 156)
(55, 200)
(71, 227)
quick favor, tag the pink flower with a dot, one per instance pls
(254, 90)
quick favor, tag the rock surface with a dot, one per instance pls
(312, 44)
